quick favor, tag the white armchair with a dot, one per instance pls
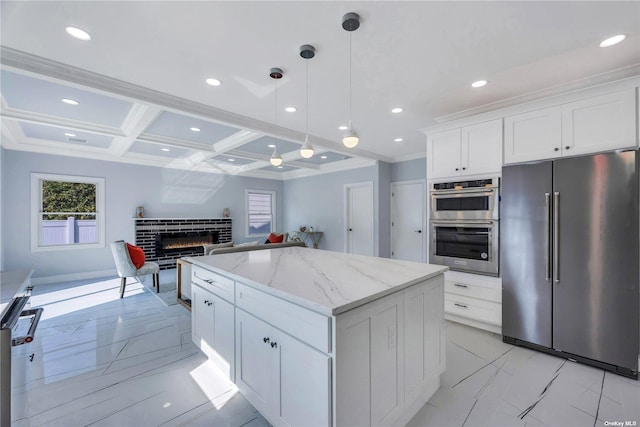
(125, 266)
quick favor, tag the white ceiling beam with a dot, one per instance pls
(60, 122)
(140, 116)
(236, 140)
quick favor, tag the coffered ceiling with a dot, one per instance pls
(142, 97)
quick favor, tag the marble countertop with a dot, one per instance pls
(12, 283)
(324, 281)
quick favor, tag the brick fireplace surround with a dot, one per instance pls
(147, 228)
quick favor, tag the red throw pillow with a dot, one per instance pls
(137, 255)
(276, 238)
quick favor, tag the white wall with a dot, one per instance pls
(1, 207)
(162, 192)
(409, 170)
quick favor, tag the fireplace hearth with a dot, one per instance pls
(184, 242)
(164, 240)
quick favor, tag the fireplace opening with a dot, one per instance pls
(188, 242)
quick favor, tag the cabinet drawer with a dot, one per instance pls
(473, 291)
(482, 311)
(306, 325)
(214, 283)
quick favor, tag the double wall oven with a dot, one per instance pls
(465, 225)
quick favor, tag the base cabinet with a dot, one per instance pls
(286, 380)
(210, 320)
(474, 300)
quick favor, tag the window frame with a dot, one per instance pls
(272, 194)
(36, 213)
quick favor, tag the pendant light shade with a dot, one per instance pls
(276, 158)
(350, 23)
(307, 52)
(306, 150)
(350, 138)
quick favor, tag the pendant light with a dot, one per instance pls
(350, 22)
(276, 158)
(307, 52)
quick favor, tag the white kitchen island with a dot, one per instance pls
(320, 338)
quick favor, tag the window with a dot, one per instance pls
(260, 212)
(67, 212)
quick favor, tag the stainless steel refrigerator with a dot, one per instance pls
(570, 259)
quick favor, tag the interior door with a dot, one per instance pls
(359, 219)
(595, 301)
(407, 220)
(524, 248)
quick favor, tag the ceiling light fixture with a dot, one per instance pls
(398, 140)
(397, 110)
(323, 157)
(195, 129)
(165, 149)
(290, 109)
(350, 22)
(213, 81)
(231, 160)
(307, 52)
(78, 33)
(70, 101)
(478, 83)
(343, 127)
(271, 145)
(613, 40)
(276, 158)
(70, 134)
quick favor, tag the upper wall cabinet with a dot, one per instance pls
(590, 125)
(470, 150)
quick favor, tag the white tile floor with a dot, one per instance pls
(100, 360)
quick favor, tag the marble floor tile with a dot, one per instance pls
(104, 361)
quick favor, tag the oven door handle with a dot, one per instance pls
(488, 192)
(460, 224)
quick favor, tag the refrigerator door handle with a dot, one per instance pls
(547, 237)
(556, 237)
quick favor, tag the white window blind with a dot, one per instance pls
(260, 212)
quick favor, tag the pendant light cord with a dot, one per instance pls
(307, 125)
(350, 79)
(275, 133)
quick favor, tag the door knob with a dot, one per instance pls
(274, 344)
(351, 229)
(265, 339)
(418, 231)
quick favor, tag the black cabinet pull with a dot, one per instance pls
(567, 147)
(556, 149)
(265, 339)
(460, 305)
(460, 285)
(274, 344)
(457, 169)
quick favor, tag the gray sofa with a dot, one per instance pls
(242, 248)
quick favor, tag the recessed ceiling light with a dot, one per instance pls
(290, 109)
(613, 40)
(397, 110)
(479, 83)
(323, 157)
(279, 167)
(232, 160)
(70, 134)
(165, 149)
(78, 33)
(69, 101)
(398, 140)
(213, 82)
(343, 127)
(271, 145)
(195, 129)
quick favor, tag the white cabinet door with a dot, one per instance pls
(284, 379)
(202, 319)
(254, 354)
(599, 124)
(482, 148)
(533, 136)
(212, 328)
(303, 384)
(443, 154)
